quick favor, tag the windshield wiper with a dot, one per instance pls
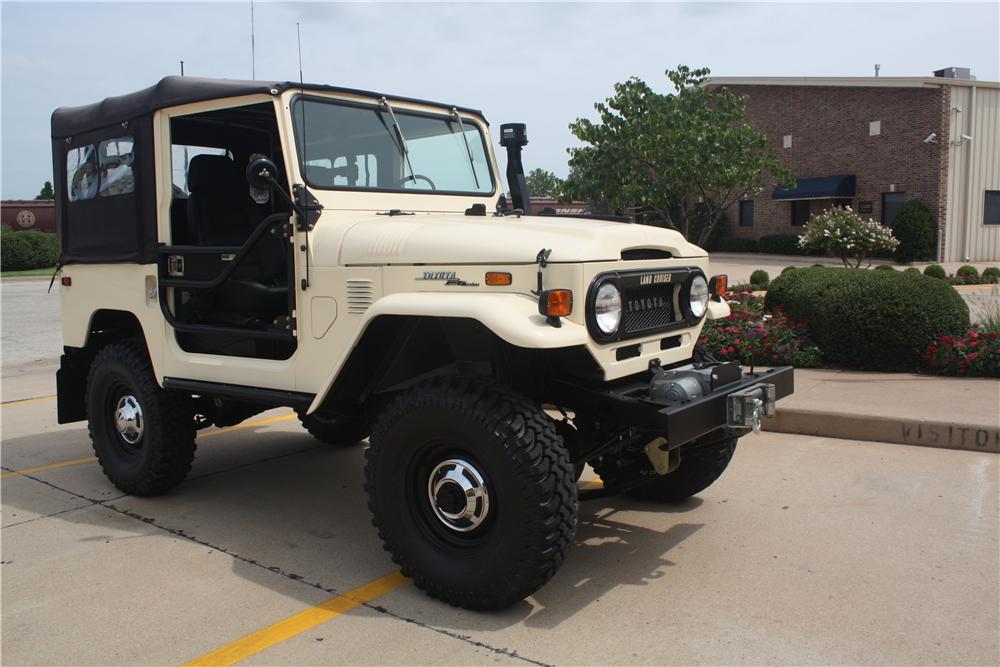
(404, 151)
(461, 128)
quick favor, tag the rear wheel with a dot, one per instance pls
(700, 465)
(472, 492)
(333, 429)
(143, 436)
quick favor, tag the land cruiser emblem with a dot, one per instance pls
(655, 278)
(438, 275)
(448, 277)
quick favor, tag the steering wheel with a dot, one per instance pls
(419, 177)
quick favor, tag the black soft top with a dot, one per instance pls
(174, 90)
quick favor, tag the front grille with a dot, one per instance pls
(648, 309)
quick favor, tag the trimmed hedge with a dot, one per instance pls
(759, 278)
(914, 227)
(968, 274)
(20, 251)
(871, 320)
(935, 271)
(991, 275)
(885, 267)
(735, 244)
(780, 244)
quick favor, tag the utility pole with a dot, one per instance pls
(877, 68)
(182, 68)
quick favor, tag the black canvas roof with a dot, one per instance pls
(174, 90)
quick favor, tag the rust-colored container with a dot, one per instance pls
(24, 214)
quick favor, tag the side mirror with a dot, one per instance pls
(261, 173)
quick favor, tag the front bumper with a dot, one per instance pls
(731, 405)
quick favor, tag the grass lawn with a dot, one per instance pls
(29, 272)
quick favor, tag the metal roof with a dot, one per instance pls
(847, 81)
(174, 90)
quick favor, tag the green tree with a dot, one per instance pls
(542, 183)
(47, 192)
(684, 157)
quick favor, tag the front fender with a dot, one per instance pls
(513, 318)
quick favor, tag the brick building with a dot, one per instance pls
(874, 143)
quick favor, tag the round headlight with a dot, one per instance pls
(699, 296)
(608, 308)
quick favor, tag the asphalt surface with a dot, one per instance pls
(807, 551)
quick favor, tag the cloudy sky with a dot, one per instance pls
(543, 64)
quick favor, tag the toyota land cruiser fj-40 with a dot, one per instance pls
(230, 247)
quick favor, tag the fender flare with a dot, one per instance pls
(511, 317)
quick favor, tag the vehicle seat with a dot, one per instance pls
(221, 213)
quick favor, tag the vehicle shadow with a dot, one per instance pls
(292, 515)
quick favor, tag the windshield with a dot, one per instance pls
(357, 147)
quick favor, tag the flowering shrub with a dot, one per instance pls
(751, 336)
(976, 354)
(843, 233)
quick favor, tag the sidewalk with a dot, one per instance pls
(953, 413)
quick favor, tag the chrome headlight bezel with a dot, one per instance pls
(607, 296)
(696, 296)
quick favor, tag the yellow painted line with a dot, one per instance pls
(50, 466)
(88, 459)
(265, 638)
(26, 401)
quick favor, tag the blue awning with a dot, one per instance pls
(827, 187)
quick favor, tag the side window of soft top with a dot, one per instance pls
(81, 173)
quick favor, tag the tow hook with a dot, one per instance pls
(747, 408)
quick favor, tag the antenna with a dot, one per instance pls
(182, 68)
(253, 54)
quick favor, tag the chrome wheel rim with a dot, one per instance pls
(128, 419)
(458, 495)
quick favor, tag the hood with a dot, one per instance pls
(443, 238)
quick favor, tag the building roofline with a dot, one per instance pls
(848, 81)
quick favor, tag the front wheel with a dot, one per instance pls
(472, 492)
(143, 436)
(701, 463)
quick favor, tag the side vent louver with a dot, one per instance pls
(360, 295)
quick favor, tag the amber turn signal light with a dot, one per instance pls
(718, 285)
(556, 303)
(497, 278)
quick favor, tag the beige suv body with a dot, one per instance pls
(231, 246)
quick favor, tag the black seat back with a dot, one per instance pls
(217, 203)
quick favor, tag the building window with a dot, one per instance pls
(746, 213)
(891, 203)
(874, 128)
(991, 208)
(800, 213)
(786, 141)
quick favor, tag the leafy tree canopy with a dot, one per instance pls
(47, 192)
(684, 157)
(542, 183)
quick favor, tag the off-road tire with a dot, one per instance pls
(162, 457)
(527, 471)
(699, 468)
(333, 430)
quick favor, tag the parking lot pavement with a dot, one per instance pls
(808, 550)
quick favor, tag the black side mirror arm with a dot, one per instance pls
(261, 174)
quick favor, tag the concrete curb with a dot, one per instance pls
(943, 435)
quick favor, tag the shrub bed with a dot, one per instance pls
(760, 279)
(780, 244)
(751, 336)
(20, 251)
(734, 244)
(870, 320)
(974, 354)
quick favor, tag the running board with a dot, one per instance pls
(270, 397)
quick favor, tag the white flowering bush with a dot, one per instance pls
(842, 232)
